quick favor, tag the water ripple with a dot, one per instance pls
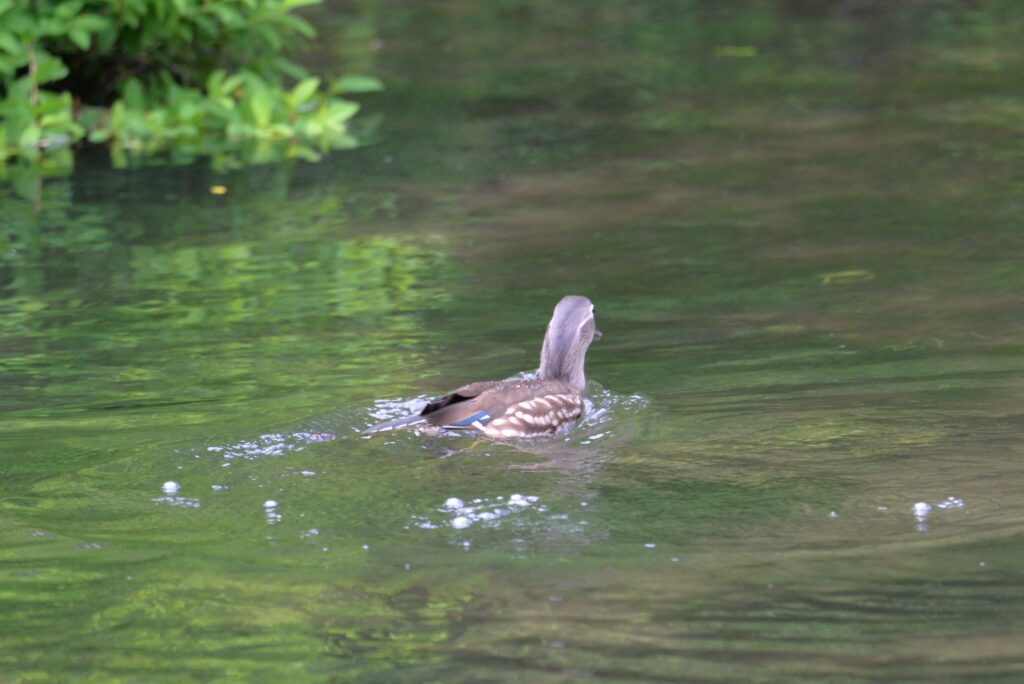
(273, 444)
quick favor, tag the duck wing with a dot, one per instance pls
(474, 406)
(476, 402)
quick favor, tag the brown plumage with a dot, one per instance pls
(522, 408)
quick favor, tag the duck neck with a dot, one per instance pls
(561, 360)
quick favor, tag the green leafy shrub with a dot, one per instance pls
(185, 77)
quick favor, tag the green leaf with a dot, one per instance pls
(67, 9)
(232, 84)
(92, 23)
(133, 95)
(344, 142)
(342, 110)
(21, 23)
(289, 68)
(29, 137)
(10, 44)
(304, 90)
(299, 26)
(80, 38)
(100, 135)
(304, 152)
(206, 25)
(117, 115)
(50, 102)
(259, 102)
(8, 64)
(354, 83)
(50, 26)
(49, 68)
(282, 130)
(313, 129)
(269, 35)
(214, 82)
(227, 15)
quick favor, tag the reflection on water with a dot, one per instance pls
(801, 456)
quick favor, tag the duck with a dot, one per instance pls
(506, 409)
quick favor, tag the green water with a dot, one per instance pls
(807, 265)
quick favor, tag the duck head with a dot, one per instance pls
(569, 334)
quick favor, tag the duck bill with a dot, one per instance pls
(597, 334)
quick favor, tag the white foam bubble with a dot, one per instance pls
(479, 510)
(270, 445)
(171, 487)
(181, 501)
(270, 509)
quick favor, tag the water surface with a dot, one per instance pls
(803, 459)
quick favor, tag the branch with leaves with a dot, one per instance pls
(184, 76)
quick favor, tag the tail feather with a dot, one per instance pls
(394, 424)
